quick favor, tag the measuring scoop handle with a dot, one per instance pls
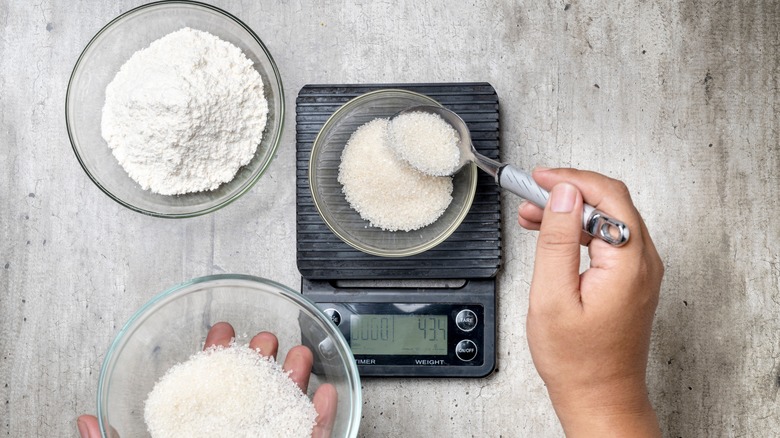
(594, 222)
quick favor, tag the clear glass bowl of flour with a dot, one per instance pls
(173, 326)
(97, 66)
(332, 204)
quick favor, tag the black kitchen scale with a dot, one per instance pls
(427, 315)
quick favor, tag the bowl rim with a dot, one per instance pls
(413, 250)
(274, 142)
(174, 292)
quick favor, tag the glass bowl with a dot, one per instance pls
(329, 199)
(99, 63)
(173, 326)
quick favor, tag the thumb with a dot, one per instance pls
(88, 426)
(556, 269)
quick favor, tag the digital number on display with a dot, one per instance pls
(398, 334)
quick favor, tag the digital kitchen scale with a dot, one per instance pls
(431, 314)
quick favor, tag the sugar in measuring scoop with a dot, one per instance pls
(425, 141)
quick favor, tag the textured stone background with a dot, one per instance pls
(679, 99)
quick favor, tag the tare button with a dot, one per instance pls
(466, 350)
(466, 320)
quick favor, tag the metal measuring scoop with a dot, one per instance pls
(594, 222)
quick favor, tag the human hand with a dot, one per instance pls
(298, 363)
(589, 333)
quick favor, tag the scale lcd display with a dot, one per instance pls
(423, 335)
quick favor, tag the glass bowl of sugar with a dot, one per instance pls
(166, 332)
(402, 225)
(175, 109)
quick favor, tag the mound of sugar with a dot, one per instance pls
(228, 392)
(425, 141)
(383, 189)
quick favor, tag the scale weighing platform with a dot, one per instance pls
(427, 315)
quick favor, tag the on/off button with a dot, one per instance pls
(466, 350)
(466, 320)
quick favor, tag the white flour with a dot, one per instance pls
(184, 114)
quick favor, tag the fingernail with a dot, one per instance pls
(82, 429)
(540, 169)
(562, 198)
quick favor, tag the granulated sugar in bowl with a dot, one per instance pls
(155, 362)
(385, 235)
(228, 391)
(383, 188)
(156, 110)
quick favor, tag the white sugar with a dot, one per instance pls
(426, 141)
(385, 190)
(228, 392)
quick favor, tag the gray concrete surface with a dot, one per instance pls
(679, 99)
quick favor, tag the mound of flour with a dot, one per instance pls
(184, 114)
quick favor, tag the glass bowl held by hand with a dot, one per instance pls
(173, 326)
(336, 211)
(109, 49)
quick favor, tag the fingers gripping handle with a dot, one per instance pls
(520, 183)
(594, 222)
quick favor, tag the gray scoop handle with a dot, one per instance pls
(594, 222)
